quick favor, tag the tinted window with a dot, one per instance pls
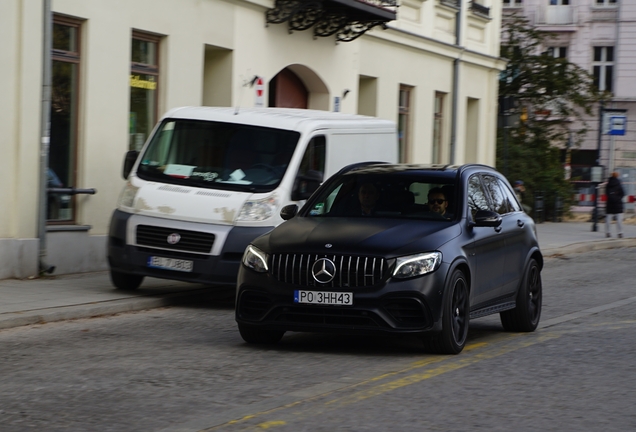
(477, 199)
(499, 201)
(391, 194)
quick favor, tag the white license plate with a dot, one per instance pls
(323, 298)
(170, 264)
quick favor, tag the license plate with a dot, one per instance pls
(170, 264)
(323, 298)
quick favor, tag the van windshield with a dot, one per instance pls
(218, 155)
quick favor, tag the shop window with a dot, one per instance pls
(62, 167)
(144, 80)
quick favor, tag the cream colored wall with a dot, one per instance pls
(21, 86)
(403, 54)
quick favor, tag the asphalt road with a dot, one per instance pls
(187, 369)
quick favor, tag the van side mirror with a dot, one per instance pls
(306, 185)
(487, 218)
(289, 211)
(129, 162)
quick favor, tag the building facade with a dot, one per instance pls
(430, 65)
(600, 37)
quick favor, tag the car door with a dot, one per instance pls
(511, 231)
(487, 251)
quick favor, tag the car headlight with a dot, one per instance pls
(258, 210)
(127, 197)
(417, 265)
(255, 259)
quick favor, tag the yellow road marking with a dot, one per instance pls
(455, 363)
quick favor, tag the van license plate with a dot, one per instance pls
(170, 264)
(323, 298)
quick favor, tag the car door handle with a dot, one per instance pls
(498, 229)
(520, 223)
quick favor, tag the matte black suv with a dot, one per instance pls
(395, 249)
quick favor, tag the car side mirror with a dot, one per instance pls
(306, 185)
(129, 162)
(289, 211)
(487, 218)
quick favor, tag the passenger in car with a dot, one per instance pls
(437, 202)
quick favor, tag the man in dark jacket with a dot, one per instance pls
(614, 192)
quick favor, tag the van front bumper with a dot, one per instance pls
(206, 268)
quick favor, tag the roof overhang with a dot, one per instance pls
(347, 19)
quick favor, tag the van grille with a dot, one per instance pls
(350, 270)
(190, 241)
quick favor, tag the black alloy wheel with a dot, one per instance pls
(526, 315)
(455, 317)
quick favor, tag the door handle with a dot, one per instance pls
(520, 223)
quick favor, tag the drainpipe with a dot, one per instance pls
(45, 132)
(456, 62)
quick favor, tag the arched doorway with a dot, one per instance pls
(297, 86)
(286, 90)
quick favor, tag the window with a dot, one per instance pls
(558, 52)
(144, 77)
(476, 196)
(603, 67)
(404, 122)
(606, 2)
(314, 157)
(64, 96)
(438, 123)
(559, 2)
(512, 3)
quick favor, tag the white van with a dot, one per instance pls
(210, 180)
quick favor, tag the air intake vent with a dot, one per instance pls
(349, 271)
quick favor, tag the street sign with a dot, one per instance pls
(608, 114)
(259, 100)
(596, 174)
(617, 124)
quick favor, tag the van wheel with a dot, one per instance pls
(257, 335)
(125, 281)
(455, 318)
(525, 316)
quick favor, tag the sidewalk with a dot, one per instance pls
(55, 298)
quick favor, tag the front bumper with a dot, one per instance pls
(393, 306)
(207, 268)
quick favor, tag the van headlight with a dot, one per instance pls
(255, 259)
(417, 265)
(127, 197)
(258, 210)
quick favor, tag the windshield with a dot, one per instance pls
(387, 195)
(218, 155)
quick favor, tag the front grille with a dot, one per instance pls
(190, 241)
(350, 271)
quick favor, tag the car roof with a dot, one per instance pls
(446, 171)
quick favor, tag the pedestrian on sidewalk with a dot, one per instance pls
(614, 207)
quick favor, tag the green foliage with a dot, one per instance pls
(546, 94)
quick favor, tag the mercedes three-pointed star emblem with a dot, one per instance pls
(323, 270)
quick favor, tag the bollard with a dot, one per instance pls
(538, 208)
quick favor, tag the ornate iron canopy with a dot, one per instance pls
(347, 19)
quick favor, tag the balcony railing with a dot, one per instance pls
(556, 15)
(347, 19)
